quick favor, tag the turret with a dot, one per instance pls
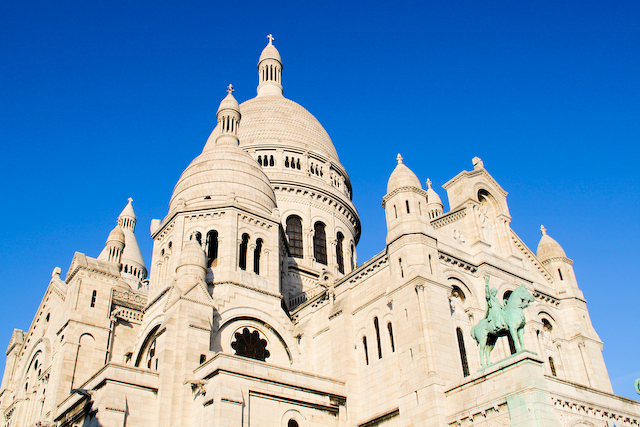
(434, 204)
(192, 265)
(228, 120)
(553, 257)
(133, 267)
(270, 70)
(112, 251)
(405, 203)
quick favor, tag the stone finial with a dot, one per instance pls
(399, 159)
(129, 200)
(271, 38)
(428, 183)
(477, 163)
(56, 272)
(230, 89)
(543, 230)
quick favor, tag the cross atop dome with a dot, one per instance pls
(230, 89)
(428, 183)
(543, 230)
(399, 159)
(129, 200)
(271, 39)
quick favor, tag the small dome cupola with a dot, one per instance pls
(434, 204)
(548, 248)
(228, 120)
(401, 177)
(270, 70)
(112, 251)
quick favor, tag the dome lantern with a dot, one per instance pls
(228, 119)
(270, 70)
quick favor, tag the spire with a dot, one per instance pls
(270, 70)
(228, 119)
(133, 267)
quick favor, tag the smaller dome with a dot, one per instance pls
(229, 102)
(432, 196)
(116, 235)
(402, 176)
(270, 52)
(192, 255)
(548, 247)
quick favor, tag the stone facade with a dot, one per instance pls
(255, 312)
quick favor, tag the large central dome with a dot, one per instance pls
(276, 120)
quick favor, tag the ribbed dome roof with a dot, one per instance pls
(432, 196)
(116, 235)
(548, 247)
(280, 121)
(221, 173)
(269, 52)
(402, 176)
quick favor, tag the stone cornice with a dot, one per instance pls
(449, 217)
(557, 258)
(402, 190)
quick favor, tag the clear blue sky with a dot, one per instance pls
(101, 101)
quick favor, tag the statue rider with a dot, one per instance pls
(493, 313)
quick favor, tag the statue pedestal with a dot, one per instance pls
(512, 391)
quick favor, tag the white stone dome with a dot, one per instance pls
(270, 52)
(549, 248)
(275, 120)
(220, 175)
(402, 176)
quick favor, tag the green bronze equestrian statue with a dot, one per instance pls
(499, 321)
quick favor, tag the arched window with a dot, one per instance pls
(243, 252)
(366, 351)
(294, 234)
(292, 423)
(376, 324)
(506, 296)
(271, 162)
(249, 344)
(198, 236)
(353, 257)
(339, 253)
(256, 256)
(553, 367)
(463, 352)
(393, 346)
(320, 243)
(148, 356)
(212, 248)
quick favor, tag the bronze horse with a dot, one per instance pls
(513, 316)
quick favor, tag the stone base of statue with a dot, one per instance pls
(512, 392)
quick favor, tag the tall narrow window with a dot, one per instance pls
(353, 257)
(393, 346)
(366, 351)
(552, 366)
(339, 254)
(198, 236)
(376, 324)
(256, 256)
(320, 243)
(395, 210)
(242, 263)
(408, 210)
(463, 352)
(294, 234)
(560, 274)
(93, 298)
(400, 264)
(212, 248)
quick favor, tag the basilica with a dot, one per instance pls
(255, 311)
